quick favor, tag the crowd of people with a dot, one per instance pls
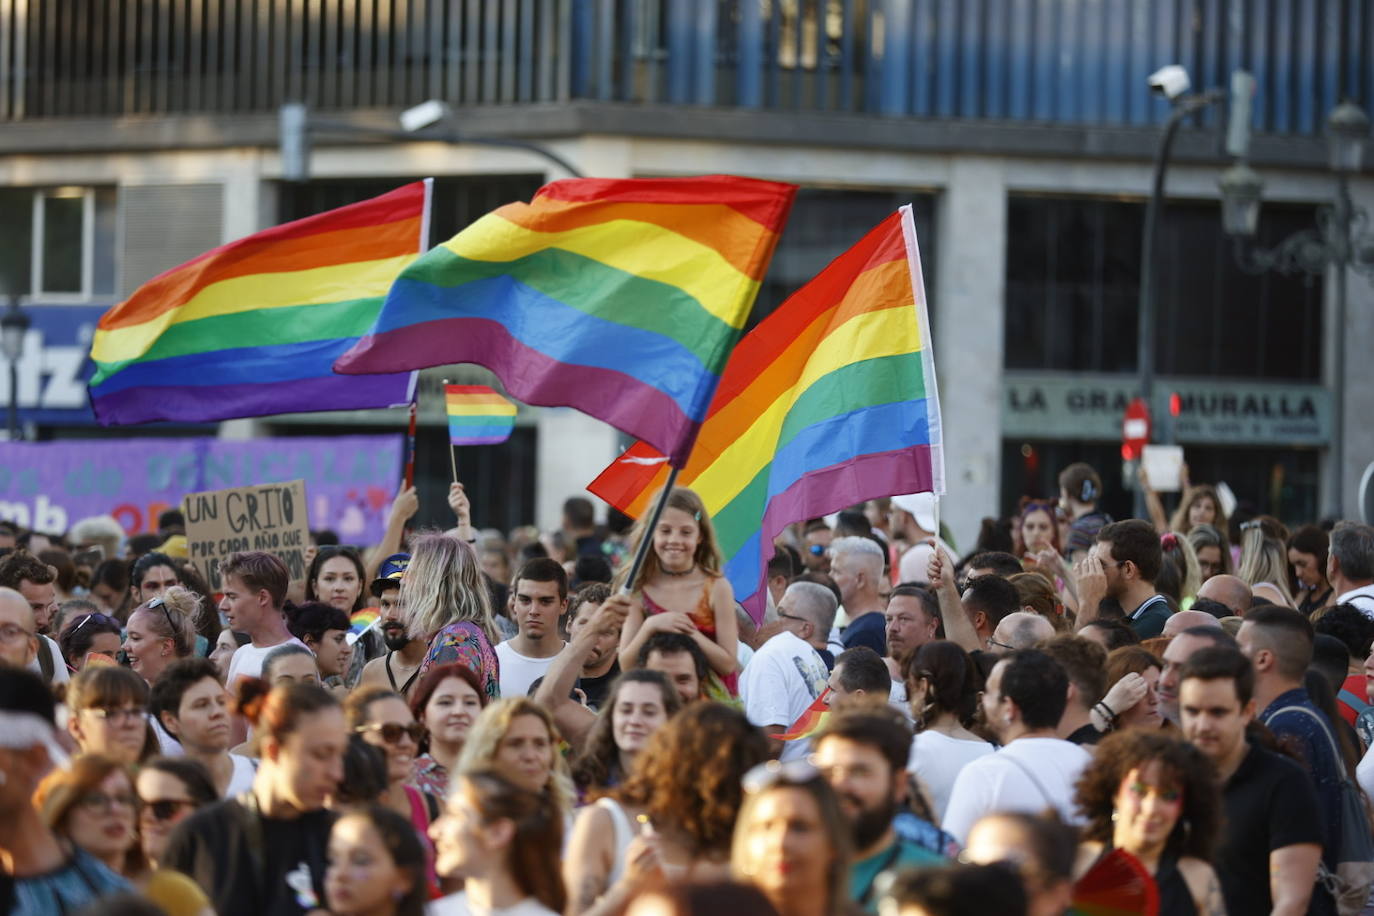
(1166, 715)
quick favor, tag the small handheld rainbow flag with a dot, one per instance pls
(477, 415)
(811, 720)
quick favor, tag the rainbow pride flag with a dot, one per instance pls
(831, 400)
(622, 298)
(253, 327)
(811, 720)
(477, 415)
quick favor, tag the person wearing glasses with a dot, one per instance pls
(91, 804)
(49, 874)
(190, 703)
(108, 714)
(34, 581)
(18, 637)
(89, 634)
(787, 673)
(383, 719)
(265, 851)
(791, 840)
(169, 790)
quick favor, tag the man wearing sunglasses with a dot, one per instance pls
(786, 674)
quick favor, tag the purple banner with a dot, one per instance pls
(350, 481)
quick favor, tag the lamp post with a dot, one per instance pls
(1173, 83)
(13, 326)
(1341, 239)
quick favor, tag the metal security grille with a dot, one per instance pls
(162, 226)
(1046, 61)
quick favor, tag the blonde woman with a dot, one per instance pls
(680, 589)
(444, 601)
(517, 737)
(1264, 561)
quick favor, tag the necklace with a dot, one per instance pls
(679, 572)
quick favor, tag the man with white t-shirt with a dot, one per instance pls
(1350, 566)
(541, 600)
(1022, 702)
(786, 674)
(254, 586)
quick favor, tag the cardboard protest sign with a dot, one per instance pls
(268, 517)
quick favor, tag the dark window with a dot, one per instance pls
(1073, 286)
(1275, 480)
(825, 223)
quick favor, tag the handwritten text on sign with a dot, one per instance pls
(270, 517)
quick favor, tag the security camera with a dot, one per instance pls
(1171, 81)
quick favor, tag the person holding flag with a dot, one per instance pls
(679, 589)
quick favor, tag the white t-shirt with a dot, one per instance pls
(167, 746)
(457, 905)
(1042, 775)
(245, 768)
(784, 677)
(247, 661)
(518, 671)
(937, 759)
(60, 674)
(1362, 598)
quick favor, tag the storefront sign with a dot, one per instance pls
(1088, 407)
(350, 480)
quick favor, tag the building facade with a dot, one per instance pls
(136, 134)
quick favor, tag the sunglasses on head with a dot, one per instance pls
(88, 618)
(391, 732)
(777, 773)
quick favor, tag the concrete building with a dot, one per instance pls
(138, 134)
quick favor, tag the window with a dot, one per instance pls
(1073, 286)
(60, 242)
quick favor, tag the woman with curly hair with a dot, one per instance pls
(680, 589)
(1157, 798)
(446, 603)
(517, 737)
(639, 704)
(687, 782)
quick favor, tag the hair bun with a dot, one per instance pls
(252, 694)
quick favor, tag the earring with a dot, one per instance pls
(1114, 817)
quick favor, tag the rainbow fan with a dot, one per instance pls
(1117, 885)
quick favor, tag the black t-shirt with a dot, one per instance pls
(598, 688)
(1270, 803)
(247, 863)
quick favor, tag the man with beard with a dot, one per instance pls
(400, 667)
(863, 756)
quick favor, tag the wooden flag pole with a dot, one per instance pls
(647, 541)
(452, 449)
(410, 445)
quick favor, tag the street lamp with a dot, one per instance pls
(13, 326)
(1341, 239)
(1171, 82)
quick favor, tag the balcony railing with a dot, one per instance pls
(1048, 61)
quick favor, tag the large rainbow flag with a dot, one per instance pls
(831, 400)
(253, 327)
(622, 298)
